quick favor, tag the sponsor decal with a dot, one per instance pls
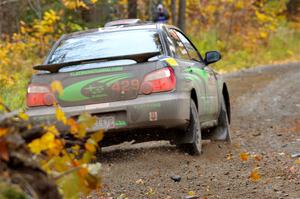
(120, 123)
(146, 106)
(97, 70)
(153, 116)
(91, 88)
(126, 85)
(171, 61)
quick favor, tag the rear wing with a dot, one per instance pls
(54, 68)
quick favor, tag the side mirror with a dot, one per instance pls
(212, 57)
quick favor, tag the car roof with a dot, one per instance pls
(143, 26)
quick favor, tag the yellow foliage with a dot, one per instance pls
(58, 160)
(90, 147)
(52, 129)
(56, 87)
(98, 136)
(75, 149)
(239, 4)
(3, 132)
(74, 127)
(75, 4)
(85, 122)
(263, 34)
(35, 146)
(46, 142)
(60, 115)
(262, 17)
(23, 116)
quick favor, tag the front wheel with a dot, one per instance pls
(193, 130)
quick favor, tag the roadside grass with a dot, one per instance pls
(282, 46)
(14, 95)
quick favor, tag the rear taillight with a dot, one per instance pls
(39, 95)
(159, 81)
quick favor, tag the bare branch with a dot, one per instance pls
(36, 7)
(7, 1)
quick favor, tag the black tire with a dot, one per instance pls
(221, 132)
(194, 130)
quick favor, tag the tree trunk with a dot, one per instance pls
(9, 15)
(132, 9)
(293, 10)
(174, 11)
(181, 14)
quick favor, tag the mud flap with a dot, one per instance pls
(220, 135)
(185, 137)
(222, 131)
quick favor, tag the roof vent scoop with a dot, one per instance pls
(121, 22)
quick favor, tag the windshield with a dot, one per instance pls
(107, 44)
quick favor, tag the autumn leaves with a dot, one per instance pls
(64, 155)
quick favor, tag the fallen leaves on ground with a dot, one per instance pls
(191, 193)
(257, 157)
(150, 192)
(139, 181)
(244, 156)
(255, 175)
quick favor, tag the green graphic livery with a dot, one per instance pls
(98, 70)
(198, 71)
(90, 88)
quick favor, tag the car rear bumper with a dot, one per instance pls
(163, 110)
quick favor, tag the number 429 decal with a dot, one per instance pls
(126, 85)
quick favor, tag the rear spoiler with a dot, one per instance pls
(54, 68)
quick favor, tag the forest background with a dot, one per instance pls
(247, 33)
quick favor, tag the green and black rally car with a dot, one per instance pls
(142, 81)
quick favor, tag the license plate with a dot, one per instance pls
(104, 123)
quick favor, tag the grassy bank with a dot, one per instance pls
(281, 46)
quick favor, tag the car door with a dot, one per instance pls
(193, 71)
(207, 74)
(212, 92)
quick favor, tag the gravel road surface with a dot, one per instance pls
(265, 132)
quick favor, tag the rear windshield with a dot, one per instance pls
(106, 44)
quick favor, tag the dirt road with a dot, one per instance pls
(265, 124)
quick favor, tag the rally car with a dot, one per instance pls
(142, 81)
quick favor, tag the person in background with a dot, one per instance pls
(161, 15)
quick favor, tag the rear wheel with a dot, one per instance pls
(222, 131)
(193, 130)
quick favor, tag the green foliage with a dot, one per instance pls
(282, 45)
(13, 194)
(14, 95)
(9, 191)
